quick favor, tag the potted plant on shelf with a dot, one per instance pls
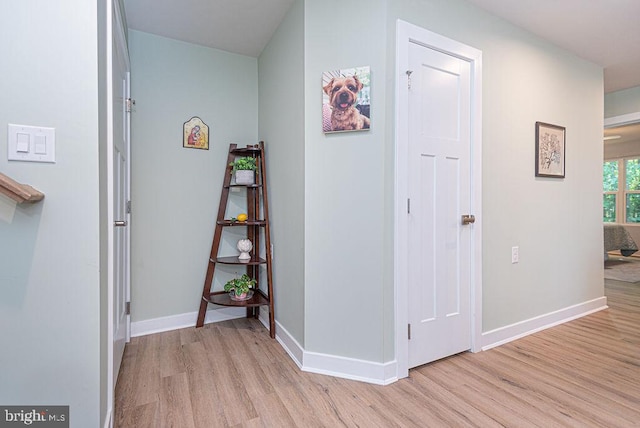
(244, 169)
(241, 287)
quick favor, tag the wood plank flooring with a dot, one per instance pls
(585, 373)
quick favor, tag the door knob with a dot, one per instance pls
(119, 223)
(468, 219)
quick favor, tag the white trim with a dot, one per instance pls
(625, 119)
(408, 33)
(350, 368)
(506, 334)
(108, 420)
(285, 339)
(175, 322)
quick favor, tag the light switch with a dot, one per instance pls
(40, 144)
(22, 142)
(31, 143)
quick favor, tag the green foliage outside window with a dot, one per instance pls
(610, 176)
(632, 173)
(609, 208)
(630, 193)
(632, 178)
(609, 184)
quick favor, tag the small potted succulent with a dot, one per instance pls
(244, 169)
(240, 287)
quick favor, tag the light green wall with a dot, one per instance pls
(622, 102)
(344, 187)
(175, 191)
(556, 223)
(348, 195)
(281, 125)
(50, 251)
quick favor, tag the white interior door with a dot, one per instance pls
(439, 189)
(120, 189)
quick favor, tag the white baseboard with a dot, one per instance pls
(332, 365)
(350, 368)
(520, 329)
(286, 340)
(174, 322)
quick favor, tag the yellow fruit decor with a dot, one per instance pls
(241, 218)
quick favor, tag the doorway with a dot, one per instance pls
(621, 152)
(435, 233)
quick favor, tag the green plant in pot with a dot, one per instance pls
(240, 286)
(244, 169)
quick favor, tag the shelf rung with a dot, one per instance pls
(234, 260)
(241, 223)
(246, 150)
(223, 298)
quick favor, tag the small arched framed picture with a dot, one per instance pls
(195, 134)
(550, 150)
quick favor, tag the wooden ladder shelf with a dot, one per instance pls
(257, 227)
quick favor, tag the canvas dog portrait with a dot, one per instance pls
(346, 104)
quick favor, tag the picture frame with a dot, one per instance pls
(550, 150)
(195, 134)
(346, 100)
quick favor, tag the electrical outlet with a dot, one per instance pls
(515, 257)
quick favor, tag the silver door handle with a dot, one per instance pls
(120, 223)
(468, 219)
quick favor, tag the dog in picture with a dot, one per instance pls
(343, 94)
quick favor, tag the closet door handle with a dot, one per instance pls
(468, 219)
(120, 223)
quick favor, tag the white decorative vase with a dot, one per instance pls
(245, 176)
(244, 246)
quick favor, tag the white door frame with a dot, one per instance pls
(408, 33)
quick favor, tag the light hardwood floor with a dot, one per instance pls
(585, 373)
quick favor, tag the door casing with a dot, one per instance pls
(405, 34)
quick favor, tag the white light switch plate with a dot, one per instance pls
(31, 143)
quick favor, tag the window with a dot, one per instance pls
(610, 186)
(621, 190)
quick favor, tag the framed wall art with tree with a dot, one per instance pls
(550, 150)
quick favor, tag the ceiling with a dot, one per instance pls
(593, 29)
(604, 32)
(238, 26)
(622, 134)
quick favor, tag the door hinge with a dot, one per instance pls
(130, 102)
(127, 308)
(409, 331)
(128, 207)
(408, 72)
(408, 206)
